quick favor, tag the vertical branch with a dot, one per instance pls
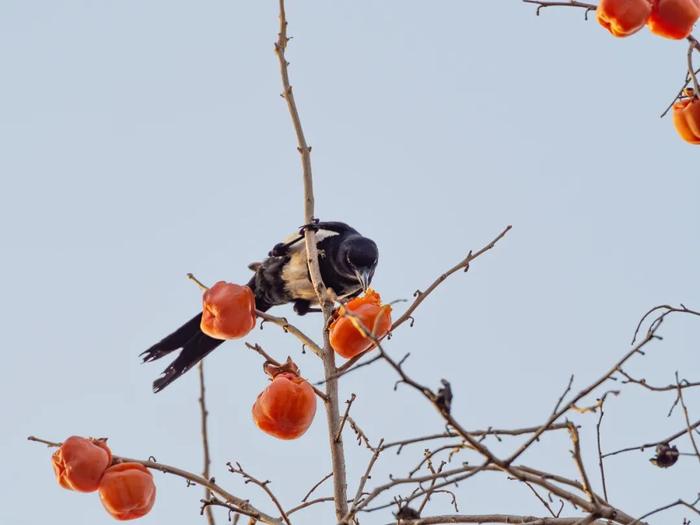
(694, 45)
(600, 453)
(331, 402)
(687, 418)
(205, 441)
(578, 459)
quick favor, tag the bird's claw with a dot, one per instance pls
(303, 307)
(312, 226)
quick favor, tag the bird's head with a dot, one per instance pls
(359, 256)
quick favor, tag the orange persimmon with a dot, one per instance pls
(79, 463)
(347, 336)
(673, 18)
(686, 117)
(127, 491)
(286, 408)
(228, 311)
(623, 17)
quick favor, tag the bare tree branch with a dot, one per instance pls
(495, 518)
(311, 491)
(240, 505)
(238, 469)
(541, 5)
(669, 439)
(205, 440)
(422, 296)
(328, 355)
(687, 418)
(290, 328)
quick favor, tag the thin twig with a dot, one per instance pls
(542, 500)
(566, 391)
(349, 403)
(495, 518)
(583, 393)
(677, 503)
(308, 494)
(205, 440)
(571, 3)
(238, 469)
(643, 383)
(366, 475)
(578, 459)
(687, 419)
(479, 433)
(669, 439)
(422, 296)
(601, 465)
(290, 328)
(309, 503)
(667, 310)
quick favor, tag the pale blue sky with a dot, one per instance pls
(141, 140)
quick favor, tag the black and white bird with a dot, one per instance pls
(347, 261)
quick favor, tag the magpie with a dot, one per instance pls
(347, 261)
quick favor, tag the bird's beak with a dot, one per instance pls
(363, 277)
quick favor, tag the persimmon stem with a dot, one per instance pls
(196, 281)
(44, 441)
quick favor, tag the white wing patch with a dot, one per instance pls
(320, 235)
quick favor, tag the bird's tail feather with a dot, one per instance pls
(172, 342)
(194, 343)
(193, 351)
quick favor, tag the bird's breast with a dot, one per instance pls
(295, 275)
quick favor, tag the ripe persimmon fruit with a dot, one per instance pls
(673, 18)
(79, 463)
(623, 17)
(228, 311)
(127, 491)
(286, 408)
(686, 117)
(356, 321)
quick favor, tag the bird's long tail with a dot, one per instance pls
(194, 343)
(195, 346)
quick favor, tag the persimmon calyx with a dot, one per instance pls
(273, 370)
(690, 93)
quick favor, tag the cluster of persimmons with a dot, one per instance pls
(667, 18)
(126, 489)
(285, 409)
